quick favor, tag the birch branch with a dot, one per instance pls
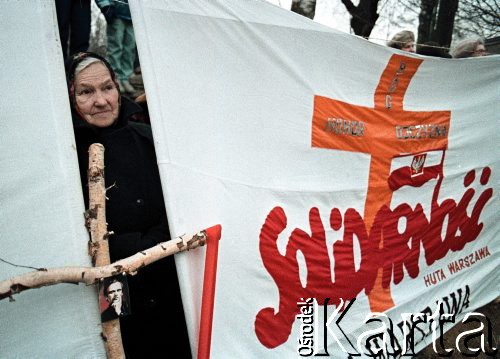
(96, 214)
(91, 275)
(98, 244)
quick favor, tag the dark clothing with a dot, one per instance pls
(110, 313)
(135, 212)
(432, 48)
(73, 18)
(120, 8)
(121, 47)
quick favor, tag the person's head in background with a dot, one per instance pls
(93, 90)
(403, 40)
(469, 48)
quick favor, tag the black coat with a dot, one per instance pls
(135, 212)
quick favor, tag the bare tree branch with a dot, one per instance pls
(363, 17)
(478, 18)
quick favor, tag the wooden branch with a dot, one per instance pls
(96, 214)
(92, 275)
(98, 244)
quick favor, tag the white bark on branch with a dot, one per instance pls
(98, 244)
(91, 275)
(96, 214)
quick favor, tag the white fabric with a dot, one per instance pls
(41, 206)
(231, 88)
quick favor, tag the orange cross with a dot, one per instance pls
(385, 132)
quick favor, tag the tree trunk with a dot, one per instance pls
(436, 21)
(363, 17)
(445, 22)
(425, 20)
(306, 8)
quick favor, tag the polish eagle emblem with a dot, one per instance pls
(417, 164)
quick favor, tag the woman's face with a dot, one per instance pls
(96, 95)
(479, 51)
(409, 47)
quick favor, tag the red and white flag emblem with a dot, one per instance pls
(417, 164)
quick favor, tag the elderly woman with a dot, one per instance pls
(135, 209)
(403, 40)
(469, 48)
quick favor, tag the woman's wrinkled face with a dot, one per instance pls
(96, 95)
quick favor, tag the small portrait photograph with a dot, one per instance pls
(114, 299)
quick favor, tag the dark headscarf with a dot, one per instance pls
(71, 65)
(73, 62)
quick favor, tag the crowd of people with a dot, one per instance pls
(135, 208)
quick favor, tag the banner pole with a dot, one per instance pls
(208, 296)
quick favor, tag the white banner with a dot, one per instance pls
(342, 172)
(41, 204)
